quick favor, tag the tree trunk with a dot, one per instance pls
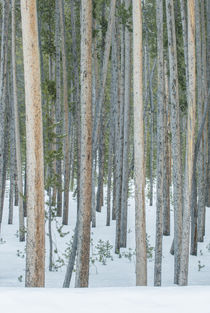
(35, 247)
(160, 146)
(84, 217)
(200, 204)
(190, 144)
(208, 85)
(126, 132)
(166, 168)
(151, 133)
(58, 108)
(139, 171)
(3, 87)
(176, 146)
(66, 116)
(17, 131)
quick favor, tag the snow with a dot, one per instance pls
(118, 273)
(103, 300)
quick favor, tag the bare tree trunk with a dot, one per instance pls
(208, 85)
(151, 132)
(66, 116)
(126, 132)
(160, 146)
(185, 39)
(84, 217)
(17, 131)
(176, 146)
(12, 155)
(58, 108)
(166, 168)
(35, 247)
(202, 201)
(3, 87)
(190, 144)
(119, 135)
(114, 101)
(100, 98)
(77, 93)
(139, 170)
(199, 205)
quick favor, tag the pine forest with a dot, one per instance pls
(105, 148)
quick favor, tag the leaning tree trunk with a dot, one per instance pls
(35, 247)
(100, 98)
(139, 171)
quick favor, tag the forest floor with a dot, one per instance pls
(106, 268)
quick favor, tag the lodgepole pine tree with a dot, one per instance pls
(84, 215)
(35, 249)
(184, 263)
(17, 130)
(160, 145)
(139, 171)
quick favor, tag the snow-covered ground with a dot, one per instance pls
(118, 271)
(103, 300)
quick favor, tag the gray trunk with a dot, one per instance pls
(176, 146)
(160, 145)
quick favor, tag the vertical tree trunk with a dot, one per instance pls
(66, 116)
(58, 107)
(17, 131)
(77, 93)
(199, 205)
(205, 131)
(185, 39)
(84, 217)
(119, 134)
(166, 168)
(176, 146)
(160, 145)
(125, 173)
(35, 247)
(114, 101)
(208, 85)
(139, 172)
(151, 132)
(12, 156)
(3, 87)
(190, 144)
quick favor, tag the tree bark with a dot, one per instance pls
(84, 217)
(3, 87)
(160, 145)
(17, 131)
(66, 116)
(126, 132)
(190, 144)
(176, 145)
(139, 171)
(35, 246)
